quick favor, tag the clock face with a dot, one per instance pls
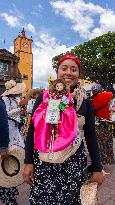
(25, 45)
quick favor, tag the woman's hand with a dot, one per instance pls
(4, 154)
(98, 177)
(28, 173)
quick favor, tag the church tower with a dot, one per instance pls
(23, 50)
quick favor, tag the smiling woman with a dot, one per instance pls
(59, 183)
(68, 70)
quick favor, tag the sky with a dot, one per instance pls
(55, 26)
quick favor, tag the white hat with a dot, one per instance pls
(88, 193)
(11, 168)
(13, 88)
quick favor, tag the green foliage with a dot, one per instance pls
(97, 57)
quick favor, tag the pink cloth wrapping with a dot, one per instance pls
(67, 128)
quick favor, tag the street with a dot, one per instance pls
(106, 192)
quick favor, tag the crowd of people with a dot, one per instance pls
(101, 103)
(15, 108)
(54, 127)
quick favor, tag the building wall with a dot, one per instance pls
(8, 68)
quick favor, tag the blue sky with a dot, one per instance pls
(56, 26)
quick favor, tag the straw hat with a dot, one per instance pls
(11, 168)
(13, 88)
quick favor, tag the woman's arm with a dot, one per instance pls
(92, 145)
(91, 139)
(29, 145)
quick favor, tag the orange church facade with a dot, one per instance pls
(23, 50)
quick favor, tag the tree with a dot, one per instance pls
(97, 58)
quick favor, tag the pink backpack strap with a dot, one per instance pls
(70, 97)
(45, 96)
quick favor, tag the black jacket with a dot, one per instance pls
(4, 128)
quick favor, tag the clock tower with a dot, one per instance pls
(23, 50)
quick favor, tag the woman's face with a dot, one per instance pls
(68, 71)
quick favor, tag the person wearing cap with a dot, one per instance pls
(101, 103)
(60, 183)
(4, 130)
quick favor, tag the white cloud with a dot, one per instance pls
(12, 21)
(15, 11)
(15, 22)
(37, 9)
(107, 20)
(30, 27)
(83, 17)
(11, 49)
(43, 52)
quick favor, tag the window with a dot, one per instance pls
(3, 67)
(25, 77)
